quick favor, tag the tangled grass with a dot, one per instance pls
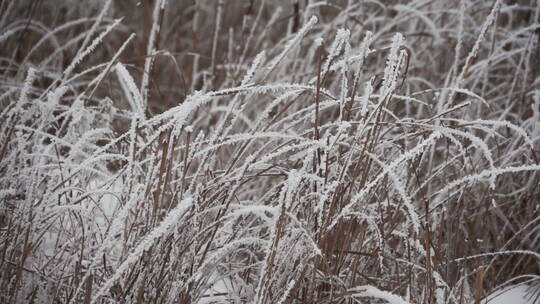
(268, 152)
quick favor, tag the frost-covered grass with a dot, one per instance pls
(268, 152)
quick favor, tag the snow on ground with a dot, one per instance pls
(516, 294)
(218, 291)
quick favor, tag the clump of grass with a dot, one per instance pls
(233, 154)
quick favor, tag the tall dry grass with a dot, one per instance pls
(267, 151)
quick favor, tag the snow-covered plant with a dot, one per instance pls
(268, 152)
